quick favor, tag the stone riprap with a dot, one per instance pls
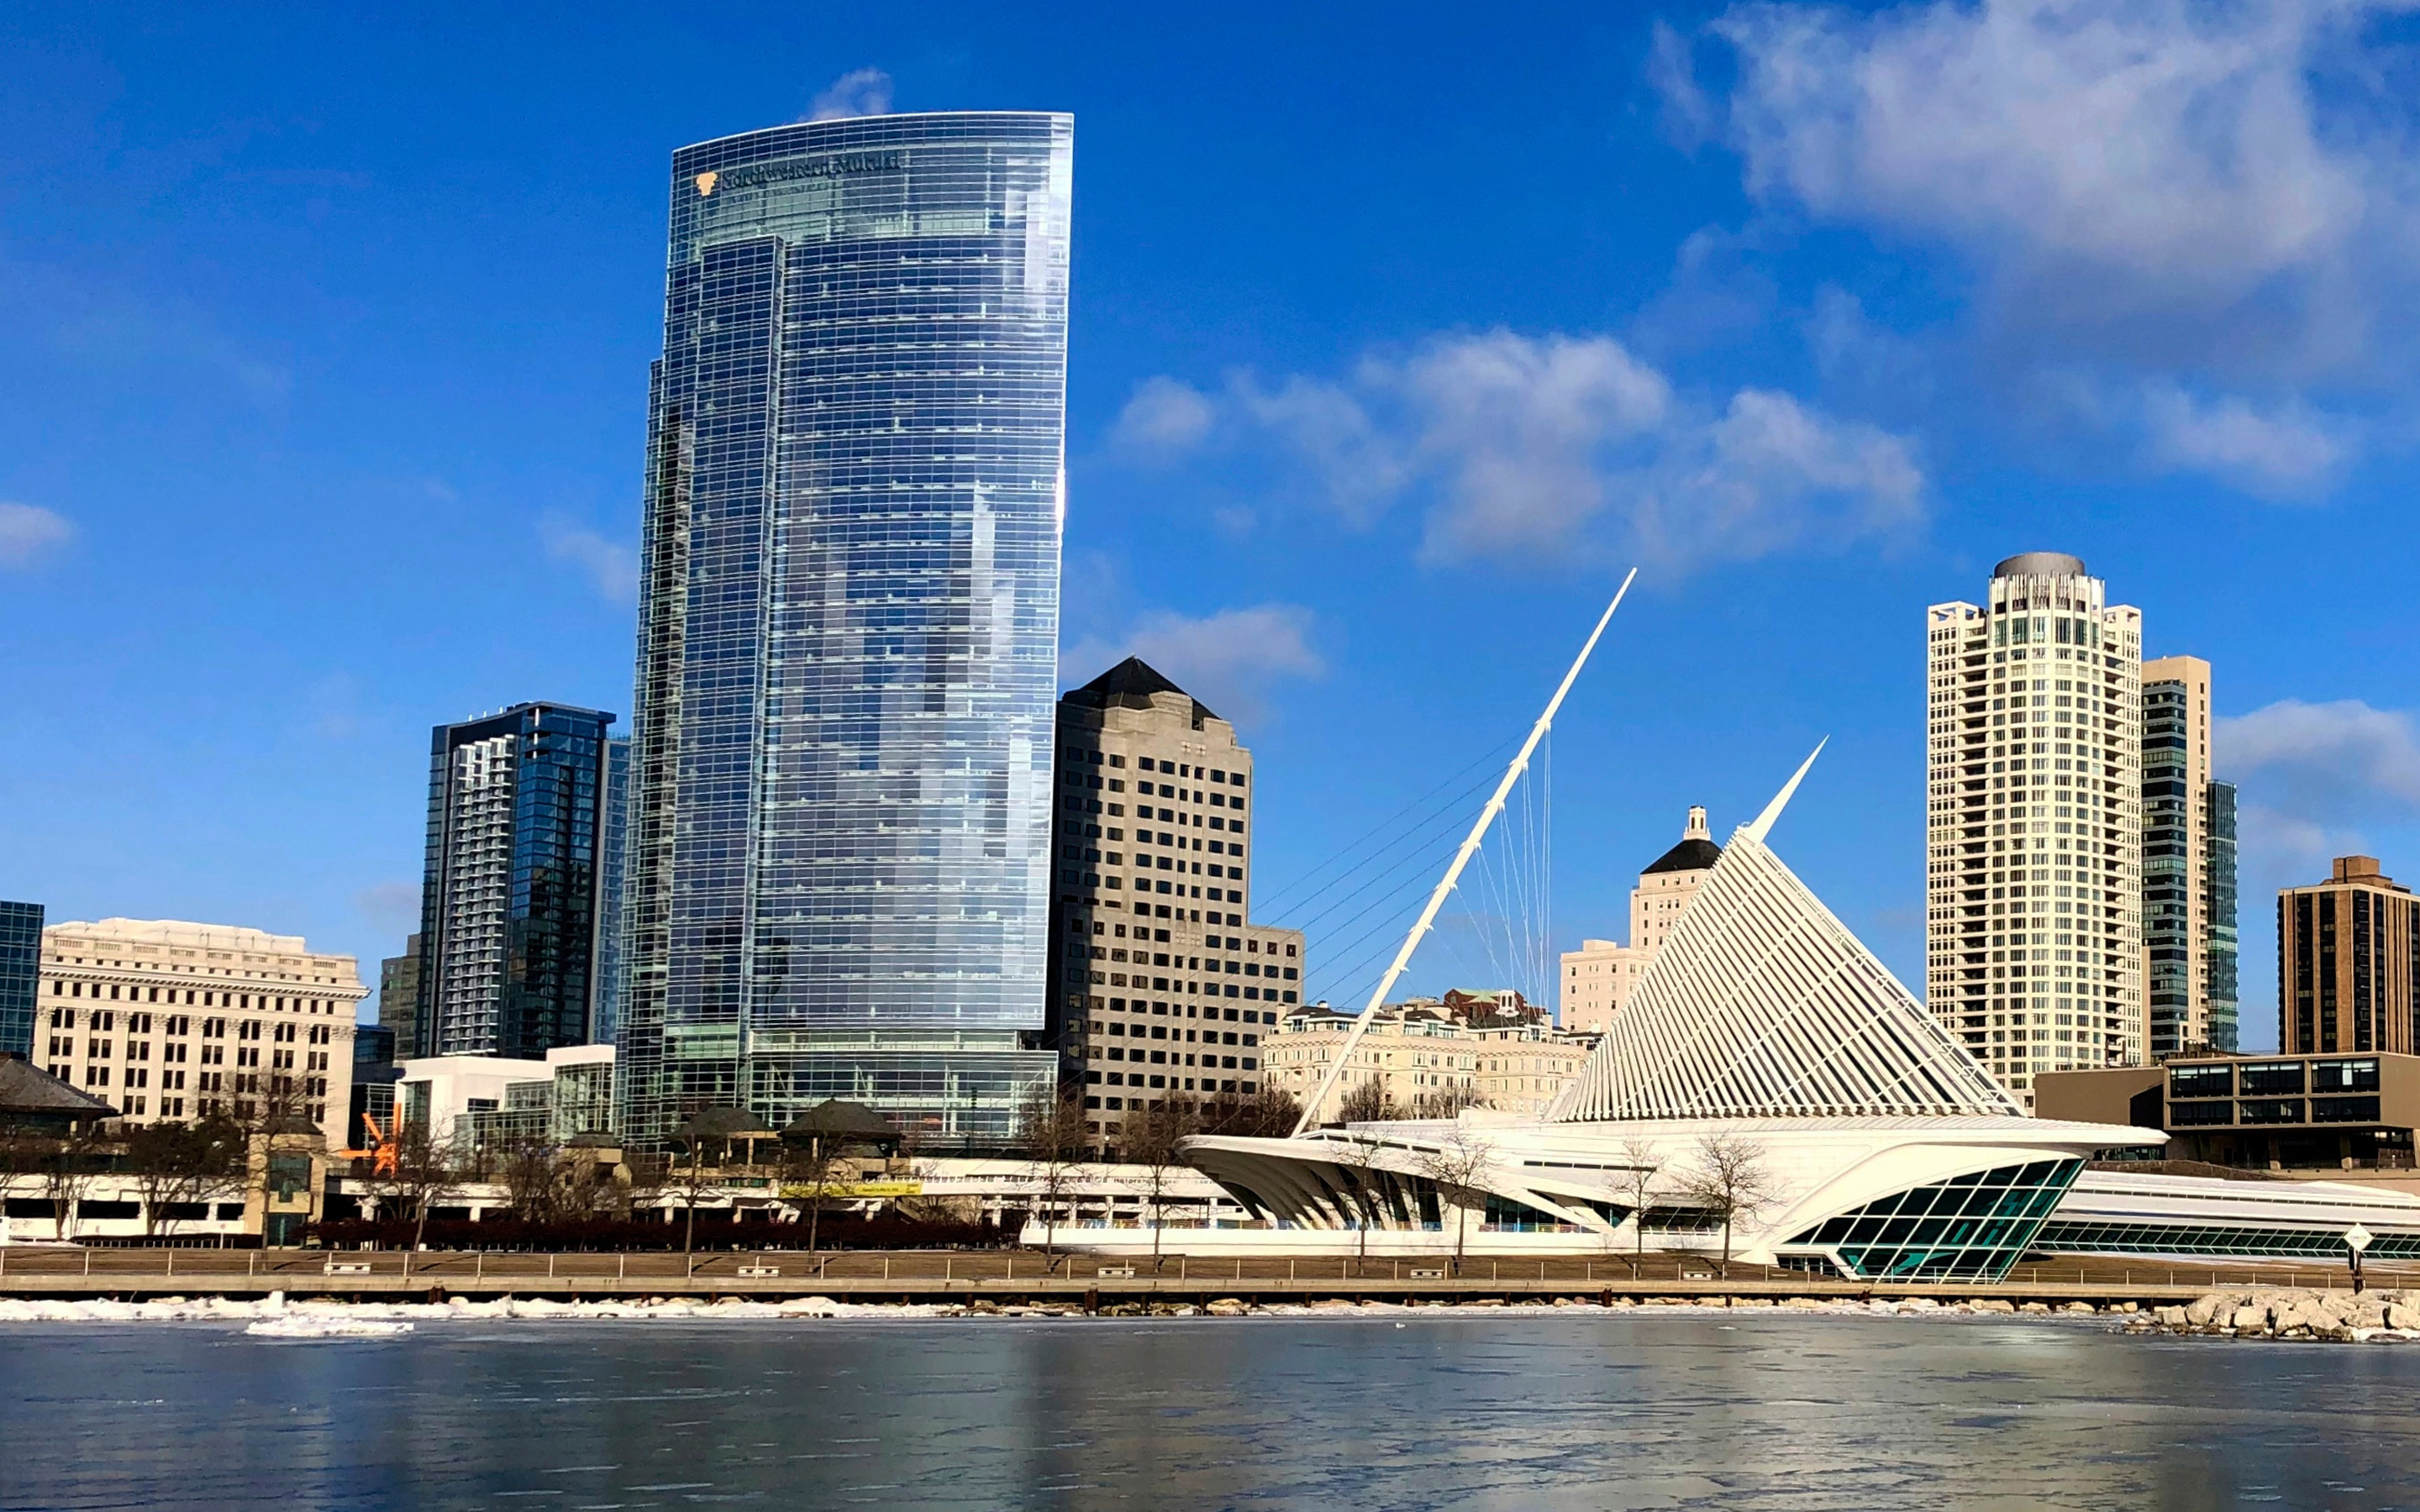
(2287, 1313)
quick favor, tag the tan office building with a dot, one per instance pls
(2033, 888)
(1598, 978)
(1158, 983)
(2346, 949)
(173, 1022)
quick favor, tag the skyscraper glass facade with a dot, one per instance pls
(21, 974)
(509, 897)
(839, 864)
(613, 855)
(2224, 946)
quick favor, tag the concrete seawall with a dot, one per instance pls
(1086, 1280)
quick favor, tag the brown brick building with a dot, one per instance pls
(2345, 953)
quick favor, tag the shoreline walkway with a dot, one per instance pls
(1027, 1275)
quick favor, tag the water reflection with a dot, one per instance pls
(1581, 1412)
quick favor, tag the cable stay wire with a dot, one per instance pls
(1276, 902)
(1417, 848)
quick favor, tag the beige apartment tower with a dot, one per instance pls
(1597, 978)
(2033, 824)
(173, 1022)
(1160, 983)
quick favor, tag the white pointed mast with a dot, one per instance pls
(1454, 873)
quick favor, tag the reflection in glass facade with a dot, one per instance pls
(509, 894)
(1971, 1228)
(838, 871)
(612, 848)
(21, 974)
(2195, 1242)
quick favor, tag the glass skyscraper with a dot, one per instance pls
(21, 975)
(838, 873)
(511, 891)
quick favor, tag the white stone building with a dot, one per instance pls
(175, 1021)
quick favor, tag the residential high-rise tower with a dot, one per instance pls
(839, 871)
(2033, 886)
(2188, 867)
(509, 896)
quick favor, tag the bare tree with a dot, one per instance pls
(1368, 1102)
(1456, 1166)
(1446, 1102)
(176, 1165)
(67, 1170)
(1150, 1142)
(1268, 1113)
(1358, 1156)
(813, 1172)
(1050, 1129)
(1728, 1182)
(1641, 1162)
(421, 1176)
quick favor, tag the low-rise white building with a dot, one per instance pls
(490, 1101)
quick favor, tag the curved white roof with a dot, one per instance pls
(1763, 1005)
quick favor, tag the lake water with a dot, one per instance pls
(1462, 1411)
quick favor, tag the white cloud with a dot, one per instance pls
(2202, 198)
(1771, 475)
(1163, 420)
(2119, 157)
(393, 906)
(1230, 661)
(1359, 465)
(1521, 429)
(28, 532)
(858, 92)
(610, 565)
(2323, 764)
(2287, 451)
(1572, 447)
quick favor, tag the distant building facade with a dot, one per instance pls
(1598, 976)
(21, 975)
(512, 889)
(2033, 871)
(1152, 942)
(2189, 935)
(1431, 1055)
(398, 999)
(2345, 953)
(175, 1022)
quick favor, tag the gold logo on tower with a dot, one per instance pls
(705, 183)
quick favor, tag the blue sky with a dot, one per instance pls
(1397, 337)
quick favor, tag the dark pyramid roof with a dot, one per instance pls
(1130, 685)
(25, 1088)
(833, 1117)
(1691, 854)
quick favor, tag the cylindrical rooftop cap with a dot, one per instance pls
(2041, 564)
